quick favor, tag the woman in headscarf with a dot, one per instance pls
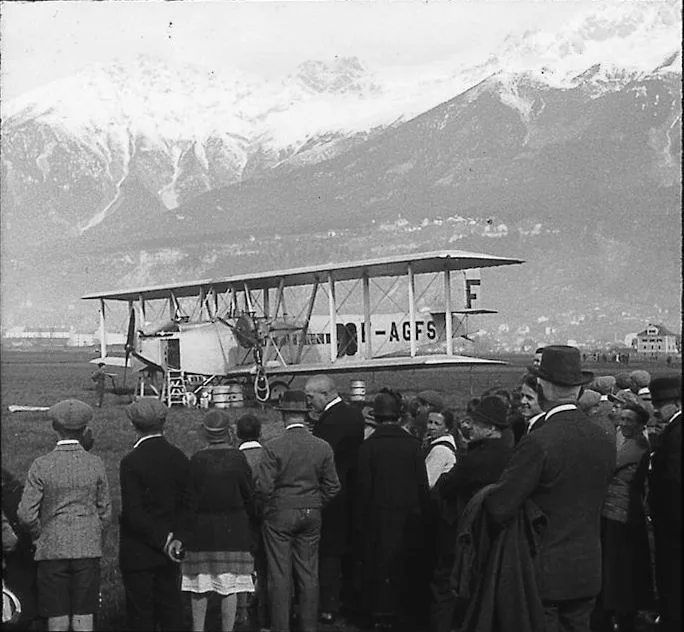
(218, 557)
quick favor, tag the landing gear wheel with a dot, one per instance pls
(278, 389)
(262, 389)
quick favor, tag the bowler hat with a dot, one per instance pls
(561, 365)
(493, 411)
(216, 424)
(433, 398)
(147, 414)
(666, 389)
(71, 414)
(386, 406)
(293, 401)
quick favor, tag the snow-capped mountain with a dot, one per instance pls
(554, 133)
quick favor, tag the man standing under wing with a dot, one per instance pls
(342, 426)
(295, 480)
(563, 466)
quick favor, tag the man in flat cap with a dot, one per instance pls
(564, 466)
(296, 478)
(665, 499)
(342, 426)
(154, 521)
(66, 506)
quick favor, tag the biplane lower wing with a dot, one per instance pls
(375, 364)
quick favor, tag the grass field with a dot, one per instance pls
(42, 379)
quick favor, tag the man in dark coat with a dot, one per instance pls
(487, 456)
(563, 466)
(665, 499)
(342, 426)
(393, 508)
(154, 521)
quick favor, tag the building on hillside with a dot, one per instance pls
(657, 340)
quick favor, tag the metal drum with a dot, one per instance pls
(358, 391)
(229, 396)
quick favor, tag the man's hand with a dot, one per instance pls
(173, 549)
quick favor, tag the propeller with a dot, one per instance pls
(130, 342)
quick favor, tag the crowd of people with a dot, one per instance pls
(553, 506)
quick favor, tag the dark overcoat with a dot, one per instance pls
(221, 500)
(483, 463)
(665, 503)
(564, 467)
(342, 427)
(154, 503)
(393, 508)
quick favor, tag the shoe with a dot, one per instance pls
(326, 617)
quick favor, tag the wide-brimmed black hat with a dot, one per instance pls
(386, 406)
(493, 411)
(293, 401)
(666, 389)
(562, 365)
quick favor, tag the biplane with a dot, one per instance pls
(265, 329)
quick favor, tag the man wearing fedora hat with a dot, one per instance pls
(488, 453)
(154, 521)
(393, 507)
(564, 466)
(665, 499)
(295, 479)
(66, 505)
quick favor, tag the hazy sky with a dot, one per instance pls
(44, 41)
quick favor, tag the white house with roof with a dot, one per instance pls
(656, 339)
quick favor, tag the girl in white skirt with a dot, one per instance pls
(218, 557)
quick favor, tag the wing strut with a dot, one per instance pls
(412, 309)
(367, 316)
(305, 329)
(447, 313)
(333, 318)
(103, 333)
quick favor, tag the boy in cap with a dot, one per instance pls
(295, 480)
(154, 520)
(66, 506)
(665, 499)
(563, 466)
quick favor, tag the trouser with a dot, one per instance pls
(291, 538)
(330, 581)
(443, 600)
(568, 615)
(153, 597)
(668, 576)
(100, 393)
(262, 597)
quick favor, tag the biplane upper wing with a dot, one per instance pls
(396, 265)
